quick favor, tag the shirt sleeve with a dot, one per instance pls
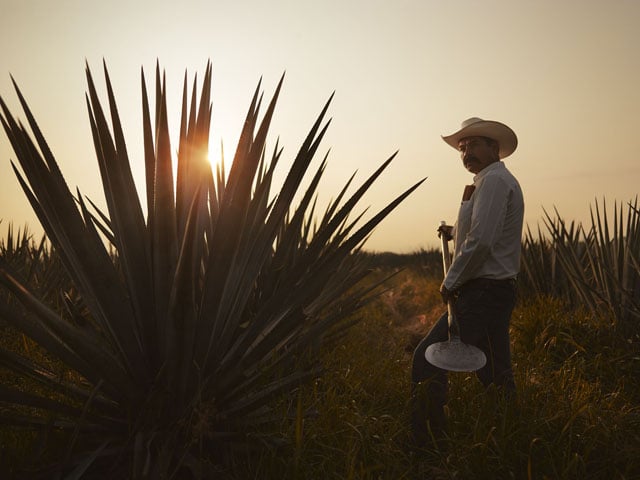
(487, 218)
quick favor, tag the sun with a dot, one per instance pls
(215, 156)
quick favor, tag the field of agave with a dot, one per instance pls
(578, 411)
(232, 332)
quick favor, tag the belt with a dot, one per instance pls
(492, 281)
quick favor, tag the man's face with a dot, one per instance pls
(477, 153)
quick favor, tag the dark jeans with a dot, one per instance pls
(483, 310)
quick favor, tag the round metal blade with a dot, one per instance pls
(455, 356)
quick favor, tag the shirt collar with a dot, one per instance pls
(494, 166)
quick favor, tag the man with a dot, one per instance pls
(481, 280)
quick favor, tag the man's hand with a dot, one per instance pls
(445, 230)
(446, 294)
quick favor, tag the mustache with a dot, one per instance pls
(470, 158)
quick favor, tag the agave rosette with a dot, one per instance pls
(602, 261)
(212, 302)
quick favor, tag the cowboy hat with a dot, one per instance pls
(477, 127)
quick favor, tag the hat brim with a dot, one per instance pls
(506, 138)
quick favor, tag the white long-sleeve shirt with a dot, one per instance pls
(488, 231)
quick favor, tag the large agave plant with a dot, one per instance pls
(198, 314)
(602, 262)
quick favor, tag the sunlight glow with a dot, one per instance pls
(215, 156)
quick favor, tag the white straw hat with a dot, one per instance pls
(477, 127)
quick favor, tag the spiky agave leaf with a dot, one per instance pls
(541, 264)
(209, 304)
(601, 261)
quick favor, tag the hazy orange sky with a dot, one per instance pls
(565, 75)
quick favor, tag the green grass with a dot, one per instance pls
(577, 413)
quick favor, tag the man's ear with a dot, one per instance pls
(495, 147)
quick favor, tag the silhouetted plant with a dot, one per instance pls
(205, 310)
(602, 262)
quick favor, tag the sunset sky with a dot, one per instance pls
(565, 75)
